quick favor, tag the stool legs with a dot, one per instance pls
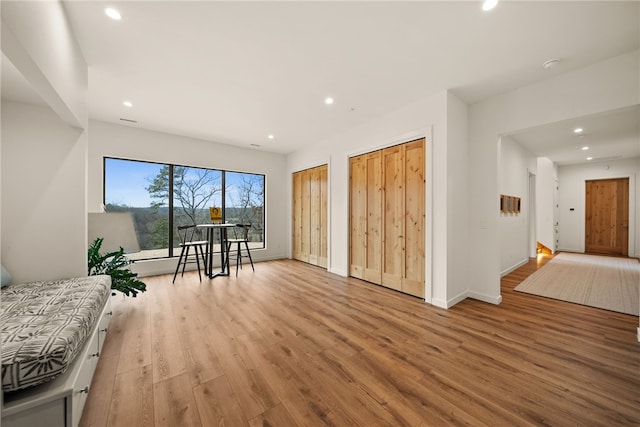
(184, 257)
(239, 254)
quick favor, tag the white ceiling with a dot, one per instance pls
(608, 136)
(235, 72)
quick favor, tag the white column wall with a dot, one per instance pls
(457, 184)
(514, 167)
(43, 150)
(43, 177)
(129, 142)
(598, 88)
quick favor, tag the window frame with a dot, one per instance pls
(170, 202)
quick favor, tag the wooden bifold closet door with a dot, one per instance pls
(387, 198)
(310, 216)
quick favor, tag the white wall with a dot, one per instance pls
(598, 88)
(128, 142)
(43, 194)
(546, 179)
(43, 187)
(572, 196)
(457, 202)
(514, 167)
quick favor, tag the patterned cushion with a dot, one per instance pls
(44, 326)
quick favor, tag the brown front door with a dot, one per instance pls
(607, 216)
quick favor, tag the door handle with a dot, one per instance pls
(624, 225)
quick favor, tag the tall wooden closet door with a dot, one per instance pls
(324, 217)
(414, 218)
(305, 217)
(387, 211)
(318, 216)
(373, 260)
(358, 216)
(310, 216)
(297, 217)
(366, 217)
(393, 217)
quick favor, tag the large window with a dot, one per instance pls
(161, 197)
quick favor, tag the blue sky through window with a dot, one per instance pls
(126, 182)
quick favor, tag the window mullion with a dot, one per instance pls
(224, 196)
(170, 197)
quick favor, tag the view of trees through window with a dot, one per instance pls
(161, 197)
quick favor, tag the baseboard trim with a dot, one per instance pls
(447, 304)
(514, 267)
(458, 298)
(486, 298)
(439, 303)
(338, 271)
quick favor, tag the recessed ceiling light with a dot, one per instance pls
(328, 101)
(578, 130)
(127, 104)
(589, 158)
(270, 136)
(585, 148)
(113, 14)
(489, 4)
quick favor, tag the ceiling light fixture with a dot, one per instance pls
(578, 130)
(547, 65)
(589, 158)
(113, 14)
(489, 4)
(127, 104)
(270, 136)
(585, 148)
(328, 101)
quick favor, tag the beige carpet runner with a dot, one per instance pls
(597, 281)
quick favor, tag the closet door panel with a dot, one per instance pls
(297, 216)
(314, 216)
(393, 213)
(358, 216)
(373, 266)
(310, 216)
(413, 277)
(324, 213)
(305, 232)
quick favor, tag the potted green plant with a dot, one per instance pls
(116, 265)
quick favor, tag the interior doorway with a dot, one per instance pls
(607, 216)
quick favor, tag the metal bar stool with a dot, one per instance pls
(241, 236)
(186, 233)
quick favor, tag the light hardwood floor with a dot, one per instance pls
(294, 345)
